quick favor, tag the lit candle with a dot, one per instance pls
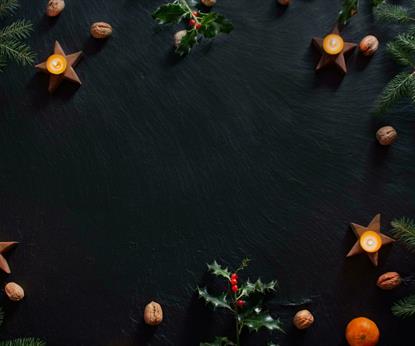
(56, 64)
(370, 241)
(333, 44)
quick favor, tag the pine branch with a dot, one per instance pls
(404, 229)
(402, 49)
(404, 307)
(402, 85)
(8, 7)
(390, 13)
(18, 30)
(23, 342)
(18, 51)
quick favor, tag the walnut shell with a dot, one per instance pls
(14, 291)
(101, 30)
(386, 135)
(389, 281)
(55, 7)
(369, 45)
(178, 37)
(303, 319)
(153, 314)
(284, 2)
(208, 3)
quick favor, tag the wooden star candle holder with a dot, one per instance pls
(4, 247)
(370, 240)
(333, 48)
(60, 67)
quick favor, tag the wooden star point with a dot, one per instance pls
(4, 247)
(358, 230)
(69, 74)
(328, 59)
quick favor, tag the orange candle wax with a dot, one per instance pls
(370, 241)
(333, 44)
(56, 64)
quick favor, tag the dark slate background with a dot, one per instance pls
(120, 191)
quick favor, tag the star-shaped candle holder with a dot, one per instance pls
(333, 48)
(60, 67)
(4, 247)
(370, 240)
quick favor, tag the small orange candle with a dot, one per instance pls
(333, 44)
(370, 241)
(56, 64)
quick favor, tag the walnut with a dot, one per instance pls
(386, 135)
(101, 30)
(178, 37)
(389, 281)
(55, 7)
(153, 314)
(369, 45)
(303, 319)
(284, 2)
(208, 3)
(14, 291)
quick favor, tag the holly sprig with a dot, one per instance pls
(243, 300)
(350, 8)
(200, 24)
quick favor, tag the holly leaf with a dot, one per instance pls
(187, 42)
(219, 341)
(213, 24)
(258, 286)
(257, 319)
(217, 302)
(348, 10)
(216, 269)
(169, 13)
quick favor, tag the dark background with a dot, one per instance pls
(120, 191)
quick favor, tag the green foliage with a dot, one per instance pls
(208, 24)
(247, 313)
(12, 36)
(349, 9)
(402, 85)
(402, 49)
(391, 13)
(219, 341)
(405, 307)
(23, 342)
(404, 229)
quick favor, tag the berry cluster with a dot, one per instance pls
(234, 287)
(193, 22)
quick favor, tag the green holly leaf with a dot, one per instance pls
(187, 42)
(213, 24)
(169, 13)
(249, 288)
(216, 269)
(257, 319)
(217, 302)
(219, 341)
(348, 10)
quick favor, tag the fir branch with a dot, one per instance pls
(404, 307)
(390, 13)
(402, 49)
(404, 229)
(8, 7)
(402, 85)
(18, 51)
(23, 342)
(18, 30)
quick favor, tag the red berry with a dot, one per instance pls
(195, 13)
(233, 281)
(198, 26)
(240, 303)
(234, 276)
(234, 288)
(192, 22)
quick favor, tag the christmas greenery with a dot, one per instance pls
(350, 8)
(243, 300)
(402, 50)
(200, 24)
(12, 36)
(404, 229)
(23, 342)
